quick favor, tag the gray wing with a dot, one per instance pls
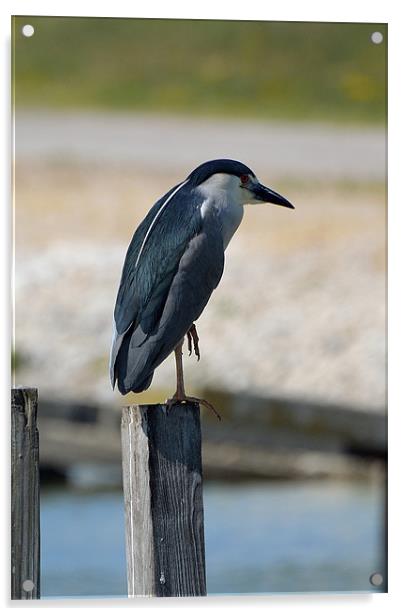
(198, 272)
(163, 248)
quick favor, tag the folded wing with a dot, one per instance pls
(198, 273)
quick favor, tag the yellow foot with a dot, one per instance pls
(180, 399)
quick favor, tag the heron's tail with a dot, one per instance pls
(137, 387)
(138, 354)
(130, 364)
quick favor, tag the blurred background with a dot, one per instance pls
(109, 114)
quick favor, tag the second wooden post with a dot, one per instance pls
(25, 547)
(162, 475)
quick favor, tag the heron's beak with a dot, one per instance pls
(262, 193)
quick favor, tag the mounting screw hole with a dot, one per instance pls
(376, 579)
(377, 38)
(28, 585)
(28, 30)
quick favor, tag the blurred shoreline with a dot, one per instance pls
(258, 438)
(176, 144)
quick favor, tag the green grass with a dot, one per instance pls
(305, 71)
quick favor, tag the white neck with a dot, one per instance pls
(223, 193)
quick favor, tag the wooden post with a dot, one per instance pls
(162, 474)
(25, 571)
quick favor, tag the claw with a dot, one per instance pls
(190, 350)
(179, 399)
(192, 335)
(208, 405)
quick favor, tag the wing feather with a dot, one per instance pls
(150, 264)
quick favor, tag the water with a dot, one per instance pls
(260, 537)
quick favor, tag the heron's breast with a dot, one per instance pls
(229, 213)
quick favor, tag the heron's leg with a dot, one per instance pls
(180, 393)
(192, 340)
(178, 353)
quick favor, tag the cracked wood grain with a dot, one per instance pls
(162, 475)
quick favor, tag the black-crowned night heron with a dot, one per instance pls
(173, 263)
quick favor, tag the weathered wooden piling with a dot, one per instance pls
(162, 475)
(25, 549)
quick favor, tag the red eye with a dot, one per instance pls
(244, 179)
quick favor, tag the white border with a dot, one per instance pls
(290, 10)
(344, 11)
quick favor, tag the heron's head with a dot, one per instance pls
(237, 180)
